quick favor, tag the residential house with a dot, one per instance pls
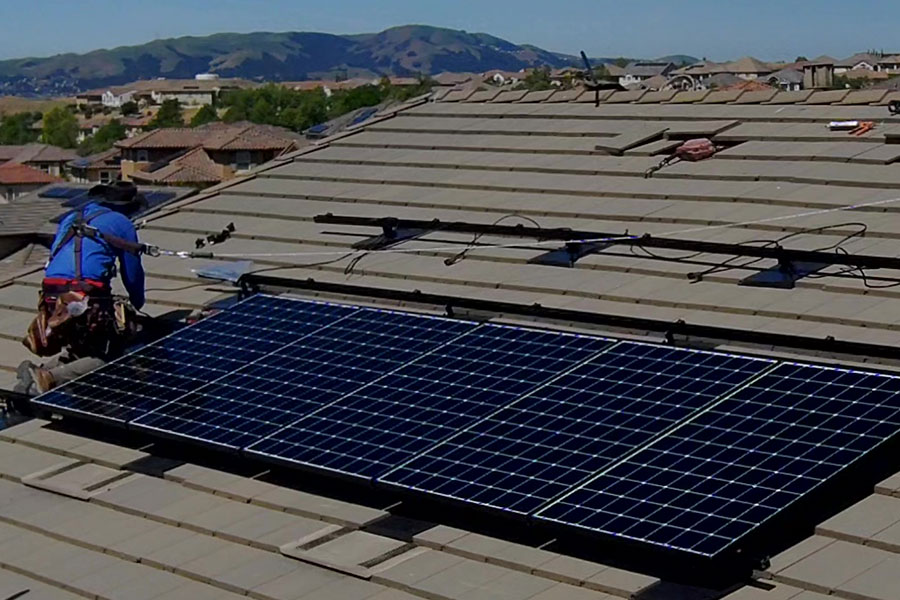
(890, 64)
(192, 167)
(89, 127)
(637, 72)
(788, 79)
(747, 68)
(104, 167)
(138, 123)
(861, 61)
(819, 73)
(44, 157)
(238, 146)
(693, 76)
(17, 180)
(112, 97)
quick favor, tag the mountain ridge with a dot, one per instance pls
(278, 56)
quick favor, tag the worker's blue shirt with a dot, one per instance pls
(98, 258)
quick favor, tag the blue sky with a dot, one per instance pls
(718, 29)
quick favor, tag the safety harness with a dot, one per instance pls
(81, 228)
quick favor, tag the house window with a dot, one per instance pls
(142, 156)
(105, 177)
(242, 161)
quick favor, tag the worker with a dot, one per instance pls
(79, 319)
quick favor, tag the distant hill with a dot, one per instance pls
(406, 50)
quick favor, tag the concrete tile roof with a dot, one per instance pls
(786, 173)
(75, 520)
(32, 153)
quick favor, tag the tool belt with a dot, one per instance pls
(79, 315)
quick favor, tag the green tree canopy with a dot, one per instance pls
(16, 129)
(169, 115)
(104, 139)
(206, 114)
(129, 108)
(300, 109)
(60, 128)
(537, 80)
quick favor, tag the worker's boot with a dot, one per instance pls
(43, 379)
(23, 377)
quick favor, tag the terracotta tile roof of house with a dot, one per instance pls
(216, 136)
(12, 173)
(193, 167)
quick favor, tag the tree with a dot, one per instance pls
(235, 114)
(169, 115)
(17, 129)
(801, 58)
(129, 108)
(206, 114)
(537, 80)
(621, 62)
(104, 139)
(263, 112)
(60, 128)
(601, 73)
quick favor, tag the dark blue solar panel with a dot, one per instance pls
(285, 377)
(193, 357)
(533, 450)
(397, 416)
(720, 476)
(63, 192)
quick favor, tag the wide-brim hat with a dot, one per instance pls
(121, 193)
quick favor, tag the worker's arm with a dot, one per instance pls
(130, 266)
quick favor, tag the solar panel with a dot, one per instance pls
(63, 192)
(536, 448)
(718, 477)
(191, 358)
(286, 379)
(425, 401)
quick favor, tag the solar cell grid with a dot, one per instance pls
(285, 380)
(748, 458)
(533, 450)
(386, 422)
(162, 372)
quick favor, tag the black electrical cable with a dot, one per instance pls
(728, 264)
(473, 244)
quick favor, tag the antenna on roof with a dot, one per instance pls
(589, 80)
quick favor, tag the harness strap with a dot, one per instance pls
(80, 229)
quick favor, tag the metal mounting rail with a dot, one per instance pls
(783, 255)
(253, 283)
